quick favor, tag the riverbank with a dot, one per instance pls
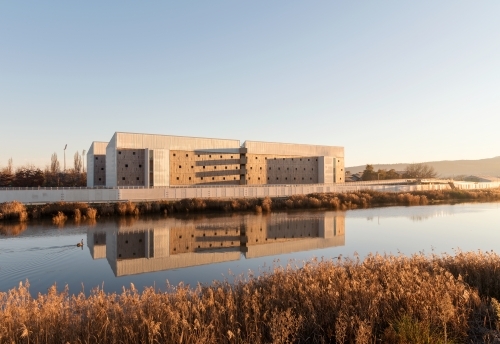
(62, 211)
(390, 299)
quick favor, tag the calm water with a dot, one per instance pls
(200, 249)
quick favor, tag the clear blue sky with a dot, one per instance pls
(391, 81)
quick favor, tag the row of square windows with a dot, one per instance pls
(256, 158)
(251, 167)
(215, 167)
(213, 178)
(249, 178)
(187, 155)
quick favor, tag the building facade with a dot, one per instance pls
(147, 160)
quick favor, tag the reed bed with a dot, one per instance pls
(335, 201)
(389, 299)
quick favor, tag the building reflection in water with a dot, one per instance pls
(147, 246)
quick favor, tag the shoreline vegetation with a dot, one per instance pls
(60, 212)
(390, 299)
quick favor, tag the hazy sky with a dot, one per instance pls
(391, 81)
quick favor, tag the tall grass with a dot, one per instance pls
(389, 299)
(335, 201)
(13, 211)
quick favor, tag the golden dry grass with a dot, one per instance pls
(13, 211)
(383, 299)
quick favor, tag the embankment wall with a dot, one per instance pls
(46, 195)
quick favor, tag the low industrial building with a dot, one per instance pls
(146, 160)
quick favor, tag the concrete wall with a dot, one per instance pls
(111, 168)
(292, 149)
(96, 164)
(281, 169)
(130, 167)
(204, 167)
(235, 191)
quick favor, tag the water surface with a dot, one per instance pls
(203, 248)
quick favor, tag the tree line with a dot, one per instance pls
(413, 171)
(52, 176)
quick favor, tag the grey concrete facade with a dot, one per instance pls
(96, 164)
(148, 160)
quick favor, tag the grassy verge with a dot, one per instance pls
(61, 211)
(389, 299)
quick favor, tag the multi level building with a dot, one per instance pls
(161, 161)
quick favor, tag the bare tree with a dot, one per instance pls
(419, 171)
(77, 162)
(55, 167)
(7, 175)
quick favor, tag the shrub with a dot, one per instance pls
(59, 218)
(13, 211)
(91, 213)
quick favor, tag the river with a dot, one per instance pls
(203, 248)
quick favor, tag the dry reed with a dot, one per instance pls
(59, 218)
(91, 213)
(13, 211)
(390, 299)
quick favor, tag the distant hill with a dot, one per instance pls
(487, 167)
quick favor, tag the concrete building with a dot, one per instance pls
(146, 160)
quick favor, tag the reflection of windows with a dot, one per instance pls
(177, 178)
